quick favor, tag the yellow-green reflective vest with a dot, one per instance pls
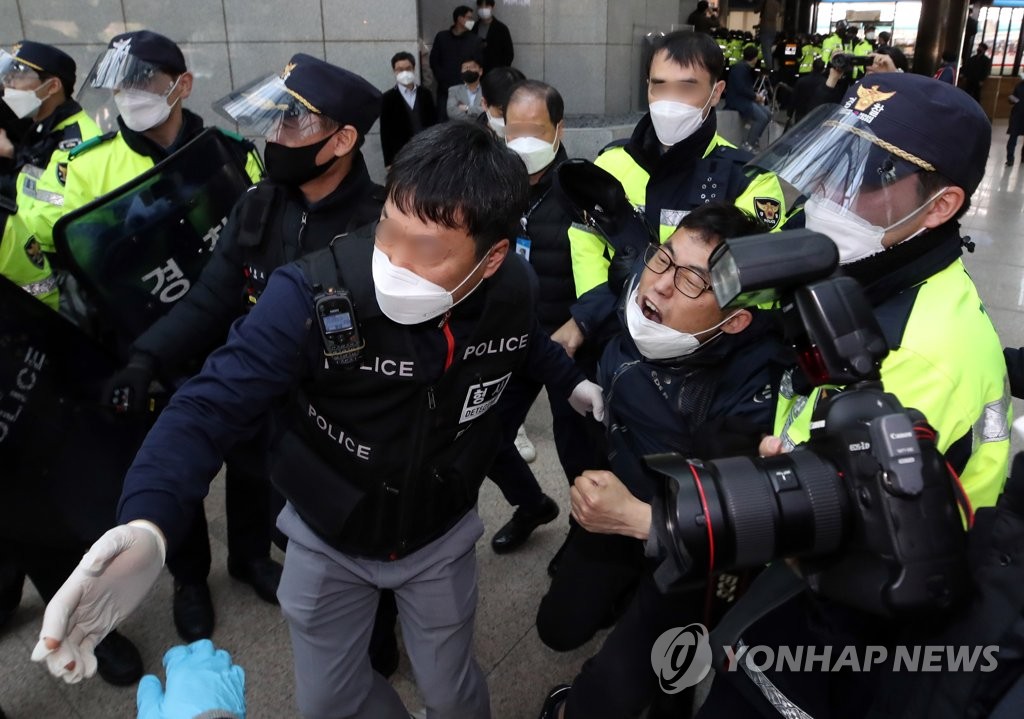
(950, 366)
(591, 254)
(22, 262)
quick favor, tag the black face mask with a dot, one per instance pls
(470, 76)
(295, 165)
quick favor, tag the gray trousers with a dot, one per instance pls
(329, 600)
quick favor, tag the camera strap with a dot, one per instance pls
(772, 588)
(775, 586)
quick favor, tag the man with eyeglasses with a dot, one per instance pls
(682, 376)
(384, 356)
(674, 162)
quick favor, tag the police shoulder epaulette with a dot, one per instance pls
(91, 143)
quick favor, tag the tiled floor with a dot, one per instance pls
(520, 669)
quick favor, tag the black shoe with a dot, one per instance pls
(553, 564)
(523, 522)
(1009, 162)
(118, 661)
(193, 611)
(263, 574)
(556, 697)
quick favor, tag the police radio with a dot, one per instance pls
(339, 328)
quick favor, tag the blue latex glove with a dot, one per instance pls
(199, 679)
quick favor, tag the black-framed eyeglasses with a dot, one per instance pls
(686, 279)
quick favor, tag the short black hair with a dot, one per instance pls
(68, 91)
(885, 35)
(460, 11)
(497, 85)
(399, 56)
(818, 66)
(898, 58)
(714, 222)
(460, 176)
(543, 91)
(485, 3)
(948, 55)
(749, 52)
(687, 48)
(702, 5)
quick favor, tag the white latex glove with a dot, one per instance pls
(112, 579)
(588, 397)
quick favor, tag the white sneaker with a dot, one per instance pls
(526, 449)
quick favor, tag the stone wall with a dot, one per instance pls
(229, 42)
(588, 49)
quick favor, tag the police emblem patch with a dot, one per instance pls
(481, 397)
(62, 173)
(34, 252)
(768, 211)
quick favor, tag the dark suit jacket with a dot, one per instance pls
(398, 123)
(498, 51)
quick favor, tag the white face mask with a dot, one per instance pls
(142, 110)
(657, 341)
(497, 124)
(675, 121)
(485, 13)
(855, 237)
(406, 77)
(470, 24)
(23, 103)
(408, 299)
(533, 151)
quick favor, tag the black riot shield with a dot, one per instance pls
(63, 457)
(138, 249)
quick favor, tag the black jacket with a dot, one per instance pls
(546, 227)
(269, 226)
(715, 402)
(805, 94)
(398, 123)
(446, 57)
(1016, 126)
(34, 143)
(498, 50)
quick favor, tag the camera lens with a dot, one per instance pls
(744, 512)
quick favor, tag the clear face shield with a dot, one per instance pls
(834, 159)
(16, 74)
(267, 107)
(116, 71)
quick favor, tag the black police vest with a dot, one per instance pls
(380, 460)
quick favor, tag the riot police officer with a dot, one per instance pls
(38, 83)
(386, 355)
(146, 75)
